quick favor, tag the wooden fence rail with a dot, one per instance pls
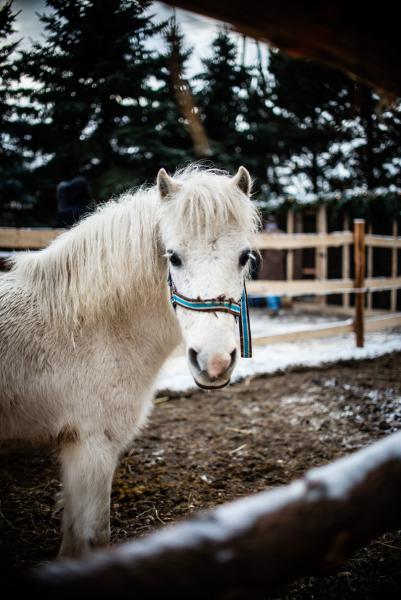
(373, 323)
(35, 238)
(312, 287)
(296, 241)
(25, 237)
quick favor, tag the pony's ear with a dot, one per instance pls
(243, 180)
(166, 184)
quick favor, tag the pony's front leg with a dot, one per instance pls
(87, 474)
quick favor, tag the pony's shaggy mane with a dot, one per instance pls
(111, 259)
(115, 248)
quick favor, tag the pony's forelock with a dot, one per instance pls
(208, 204)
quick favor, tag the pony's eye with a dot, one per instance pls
(244, 257)
(175, 260)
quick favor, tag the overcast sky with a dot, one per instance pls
(198, 30)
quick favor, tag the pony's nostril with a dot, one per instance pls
(193, 358)
(233, 355)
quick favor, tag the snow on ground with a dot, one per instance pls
(276, 357)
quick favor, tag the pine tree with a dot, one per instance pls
(222, 100)
(12, 172)
(317, 103)
(265, 135)
(376, 156)
(91, 93)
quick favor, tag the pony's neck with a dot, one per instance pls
(103, 267)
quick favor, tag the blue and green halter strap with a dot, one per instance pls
(220, 304)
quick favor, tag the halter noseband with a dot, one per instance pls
(219, 304)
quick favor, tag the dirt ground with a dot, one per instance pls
(201, 449)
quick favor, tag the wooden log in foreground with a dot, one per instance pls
(304, 528)
(360, 39)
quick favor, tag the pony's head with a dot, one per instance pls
(206, 226)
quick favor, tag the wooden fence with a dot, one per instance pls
(361, 286)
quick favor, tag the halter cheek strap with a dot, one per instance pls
(220, 304)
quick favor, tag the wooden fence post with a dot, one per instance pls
(321, 253)
(290, 253)
(359, 280)
(345, 260)
(394, 267)
(369, 299)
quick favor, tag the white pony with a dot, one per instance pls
(86, 324)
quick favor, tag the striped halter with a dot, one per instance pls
(220, 304)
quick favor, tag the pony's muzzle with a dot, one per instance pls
(216, 367)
